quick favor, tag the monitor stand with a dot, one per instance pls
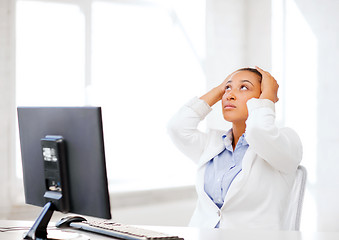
(39, 229)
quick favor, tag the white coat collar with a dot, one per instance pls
(213, 149)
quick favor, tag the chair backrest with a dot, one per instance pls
(296, 199)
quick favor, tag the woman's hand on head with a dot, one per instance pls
(222, 86)
(269, 86)
(215, 95)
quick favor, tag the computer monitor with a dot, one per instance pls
(63, 160)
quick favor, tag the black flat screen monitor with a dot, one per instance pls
(82, 133)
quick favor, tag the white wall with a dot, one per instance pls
(258, 29)
(6, 102)
(238, 34)
(166, 207)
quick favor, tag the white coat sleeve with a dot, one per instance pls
(183, 128)
(280, 147)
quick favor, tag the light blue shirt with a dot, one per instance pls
(223, 168)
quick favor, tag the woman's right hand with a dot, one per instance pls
(215, 94)
(222, 86)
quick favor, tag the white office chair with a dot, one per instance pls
(296, 200)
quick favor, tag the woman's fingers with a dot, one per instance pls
(269, 86)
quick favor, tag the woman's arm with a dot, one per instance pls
(213, 96)
(280, 147)
(183, 128)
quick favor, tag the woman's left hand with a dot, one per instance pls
(269, 86)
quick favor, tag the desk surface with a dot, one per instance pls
(185, 232)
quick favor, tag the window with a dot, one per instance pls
(50, 54)
(134, 59)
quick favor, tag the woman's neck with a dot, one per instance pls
(238, 130)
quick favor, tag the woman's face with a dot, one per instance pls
(241, 86)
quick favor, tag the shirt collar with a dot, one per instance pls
(228, 139)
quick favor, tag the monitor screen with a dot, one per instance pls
(81, 131)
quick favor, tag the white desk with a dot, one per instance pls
(185, 232)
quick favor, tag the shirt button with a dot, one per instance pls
(219, 213)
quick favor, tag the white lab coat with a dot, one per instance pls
(258, 196)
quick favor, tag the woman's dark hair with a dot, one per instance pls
(253, 70)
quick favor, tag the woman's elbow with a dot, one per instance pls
(174, 128)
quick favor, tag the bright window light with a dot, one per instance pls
(141, 64)
(295, 61)
(301, 95)
(50, 58)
